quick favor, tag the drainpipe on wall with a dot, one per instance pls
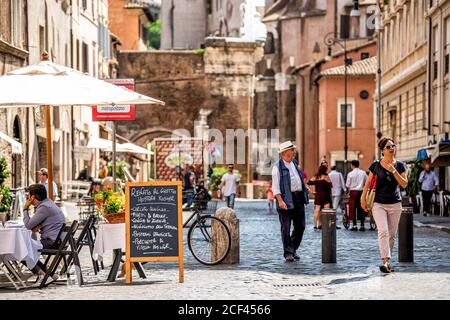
(430, 29)
(72, 121)
(27, 157)
(301, 143)
(335, 18)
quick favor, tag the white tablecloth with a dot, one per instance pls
(110, 236)
(16, 244)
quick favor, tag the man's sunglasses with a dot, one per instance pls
(393, 146)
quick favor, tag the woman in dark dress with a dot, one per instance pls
(322, 193)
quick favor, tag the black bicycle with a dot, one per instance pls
(345, 217)
(209, 238)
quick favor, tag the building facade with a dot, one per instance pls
(129, 19)
(186, 23)
(13, 121)
(404, 106)
(360, 113)
(286, 76)
(438, 74)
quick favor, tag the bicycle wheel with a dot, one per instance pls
(209, 240)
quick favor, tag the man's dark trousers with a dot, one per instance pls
(427, 195)
(291, 242)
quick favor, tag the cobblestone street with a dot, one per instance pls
(263, 274)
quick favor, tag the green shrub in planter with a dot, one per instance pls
(6, 199)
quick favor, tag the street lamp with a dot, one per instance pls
(331, 39)
(355, 11)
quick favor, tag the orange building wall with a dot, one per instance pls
(124, 23)
(355, 54)
(362, 137)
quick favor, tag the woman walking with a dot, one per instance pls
(322, 193)
(387, 207)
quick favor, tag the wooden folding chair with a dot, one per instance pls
(67, 249)
(86, 238)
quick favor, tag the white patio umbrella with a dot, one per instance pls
(133, 148)
(106, 145)
(49, 84)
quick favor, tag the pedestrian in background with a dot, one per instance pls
(387, 207)
(291, 194)
(103, 170)
(338, 190)
(229, 184)
(429, 184)
(356, 180)
(189, 184)
(322, 193)
(43, 178)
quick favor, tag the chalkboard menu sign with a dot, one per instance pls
(154, 227)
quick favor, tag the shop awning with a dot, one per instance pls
(106, 145)
(99, 143)
(16, 146)
(425, 153)
(135, 148)
(440, 156)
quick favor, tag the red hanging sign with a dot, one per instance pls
(117, 112)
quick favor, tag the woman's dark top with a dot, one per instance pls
(323, 192)
(388, 189)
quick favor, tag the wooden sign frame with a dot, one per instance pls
(129, 260)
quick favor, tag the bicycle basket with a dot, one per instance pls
(205, 206)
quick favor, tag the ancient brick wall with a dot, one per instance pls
(219, 81)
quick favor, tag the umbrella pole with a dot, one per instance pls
(114, 156)
(49, 151)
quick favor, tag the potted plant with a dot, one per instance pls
(121, 166)
(5, 194)
(413, 188)
(111, 205)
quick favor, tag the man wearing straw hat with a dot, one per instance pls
(291, 194)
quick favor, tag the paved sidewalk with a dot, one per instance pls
(434, 222)
(262, 272)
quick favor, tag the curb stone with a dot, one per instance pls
(433, 226)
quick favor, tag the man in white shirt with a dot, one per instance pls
(43, 177)
(229, 185)
(356, 180)
(291, 194)
(338, 189)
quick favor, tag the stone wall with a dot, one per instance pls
(219, 81)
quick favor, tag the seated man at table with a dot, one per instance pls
(47, 218)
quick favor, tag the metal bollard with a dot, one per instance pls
(406, 236)
(328, 235)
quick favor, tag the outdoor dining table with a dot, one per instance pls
(17, 244)
(111, 236)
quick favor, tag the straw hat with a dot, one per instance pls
(286, 146)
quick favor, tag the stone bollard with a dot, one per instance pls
(228, 216)
(328, 235)
(406, 236)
